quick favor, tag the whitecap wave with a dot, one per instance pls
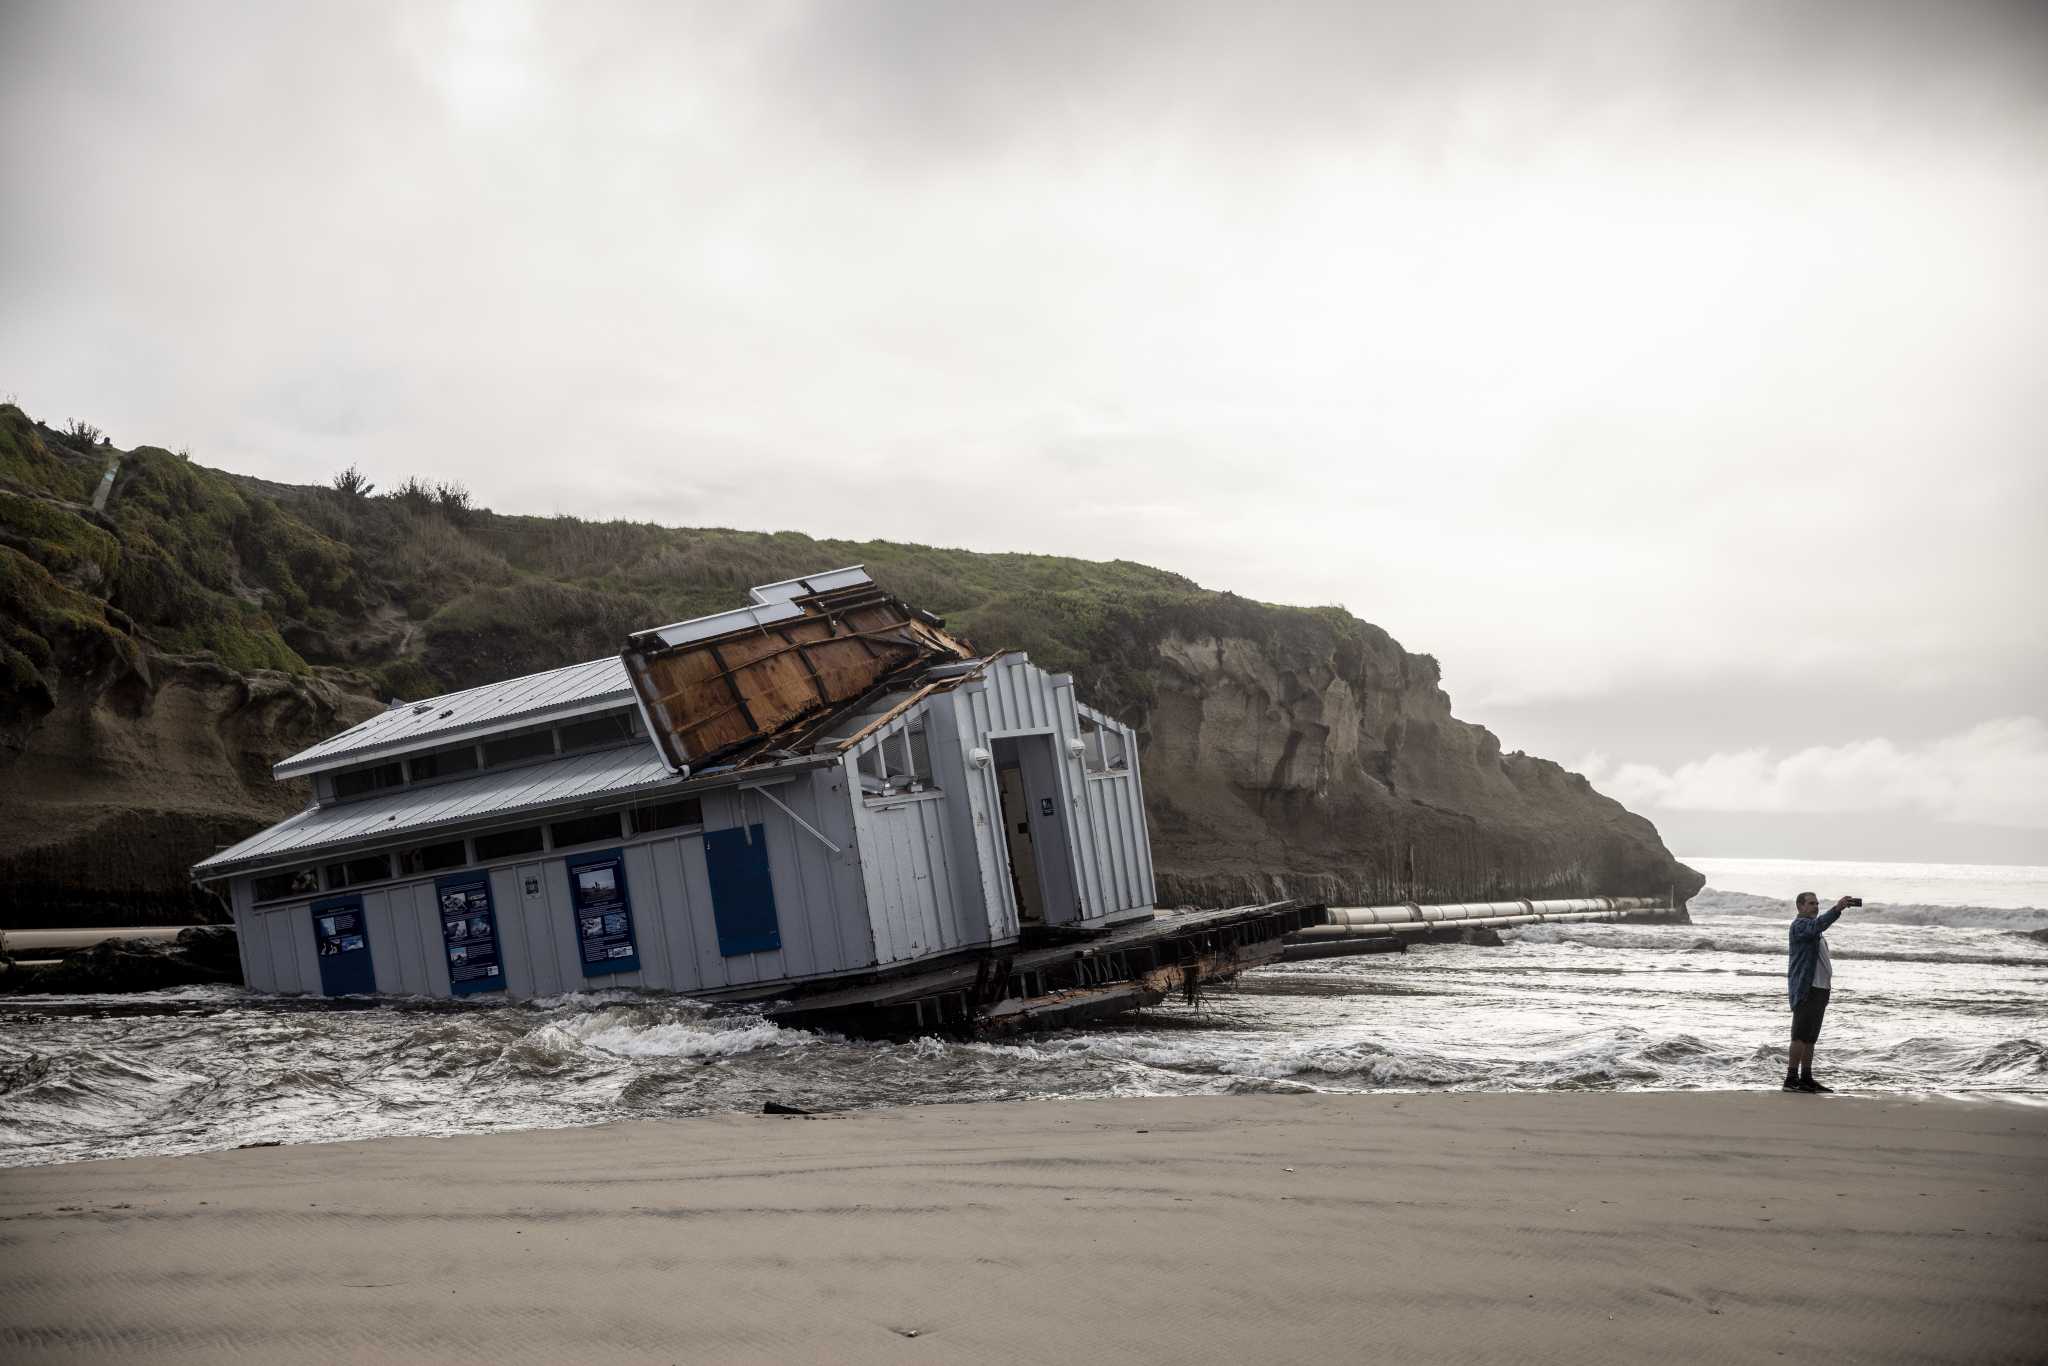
(1713, 902)
(1945, 1005)
(696, 1039)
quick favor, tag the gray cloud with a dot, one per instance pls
(1666, 369)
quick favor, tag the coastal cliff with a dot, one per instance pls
(1338, 773)
(158, 656)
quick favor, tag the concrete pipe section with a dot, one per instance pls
(1409, 918)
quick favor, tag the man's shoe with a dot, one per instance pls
(1792, 1085)
(1812, 1087)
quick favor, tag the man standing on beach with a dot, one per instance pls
(1808, 981)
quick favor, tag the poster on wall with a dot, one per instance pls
(469, 930)
(604, 916)
(341, 940)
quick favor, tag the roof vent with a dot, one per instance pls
(422, 709)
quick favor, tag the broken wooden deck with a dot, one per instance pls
(1009, 990)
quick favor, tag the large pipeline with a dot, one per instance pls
(1378, 922)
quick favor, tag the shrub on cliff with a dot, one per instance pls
(451, 500)
(352, 483)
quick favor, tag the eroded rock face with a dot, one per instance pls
(1286, 752)
(120, 789)
(1337, 774)
(1341, 774)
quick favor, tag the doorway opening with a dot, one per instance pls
(1035, 830)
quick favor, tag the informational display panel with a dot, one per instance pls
(604, 916)
(469, 929)
(341, 938)
(742, 893)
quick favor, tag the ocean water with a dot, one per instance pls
(1931, 997)
(1982, 885)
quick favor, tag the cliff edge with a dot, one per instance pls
(157, 656)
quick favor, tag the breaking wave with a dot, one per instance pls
(2024, 947)
(1718, 903)
(1929, 999)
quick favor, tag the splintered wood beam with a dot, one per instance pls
(890, 715)
(738, 697)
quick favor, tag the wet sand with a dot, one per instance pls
(1566, 1227)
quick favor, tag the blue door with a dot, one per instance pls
(742, 896)
(341, 937)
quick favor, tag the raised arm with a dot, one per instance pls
(1811, 928)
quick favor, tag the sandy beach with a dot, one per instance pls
(1581, 1227)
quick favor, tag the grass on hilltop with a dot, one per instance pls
(448, 595)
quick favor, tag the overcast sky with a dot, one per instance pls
(1674, 373)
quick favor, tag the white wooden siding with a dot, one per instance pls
(820, 907)
(916, 875)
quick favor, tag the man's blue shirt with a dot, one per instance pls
(1806, 933)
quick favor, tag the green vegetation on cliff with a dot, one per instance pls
(427, 596)
(158, 657)
(179, 553)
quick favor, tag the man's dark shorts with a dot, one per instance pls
(1806, 1016)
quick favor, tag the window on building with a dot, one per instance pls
(511, 749)
(668, 815)
(1104, 750)
(443, 763)
(596, 732)
(355, 782)
(902, 762)
(873, 782)
(508, 843)
(428, 858)
(1116, 757)
(356, 871)
(293, 882)
(585, 829)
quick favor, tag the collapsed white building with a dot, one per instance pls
(822, 786)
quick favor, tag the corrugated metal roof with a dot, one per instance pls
(611, 772)
(594, 686)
